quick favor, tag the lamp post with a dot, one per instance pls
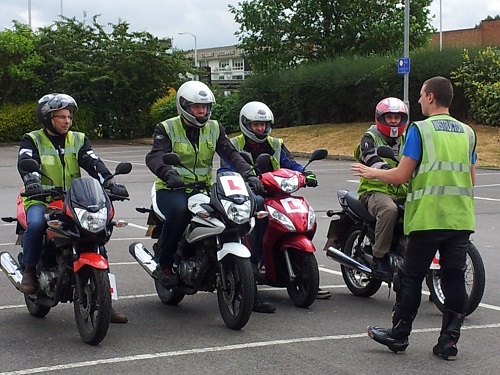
(29, 13)
(195, 49)
(440, 26)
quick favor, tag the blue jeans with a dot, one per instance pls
(33, 235)
(173, 205)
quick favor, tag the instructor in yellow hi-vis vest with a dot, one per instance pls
(439, 162)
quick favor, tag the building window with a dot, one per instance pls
(224, 64)
(238, 64)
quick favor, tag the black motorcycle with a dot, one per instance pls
(350, 238)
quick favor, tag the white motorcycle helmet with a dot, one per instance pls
(256, 112)
(194, 92)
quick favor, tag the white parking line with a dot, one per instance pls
(213, 349)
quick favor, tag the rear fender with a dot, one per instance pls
(234, 248)
(91, 259)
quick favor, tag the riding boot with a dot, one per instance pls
(29, 281)
(395, 338)
(117, 317)
(449, 335)
(262, 306)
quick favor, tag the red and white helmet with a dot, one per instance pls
(391, 105)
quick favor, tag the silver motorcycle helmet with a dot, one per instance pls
(256, 112)
(194, 92)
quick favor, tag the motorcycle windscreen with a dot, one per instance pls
(86, 193)
(231, 185)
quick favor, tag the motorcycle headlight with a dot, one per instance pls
(92, 221)
(281, 218)
(288, 185)
(311, 219)
(239, 213)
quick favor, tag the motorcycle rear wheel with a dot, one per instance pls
(236, 303)
(475, 280)
(93, 313)
(304, 288)
(168, 296)
(359, 283)
(36, 310)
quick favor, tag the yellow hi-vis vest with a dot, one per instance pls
(440, 193)
(50, 161)
(200, 158)
(365, 184)
(275, 143)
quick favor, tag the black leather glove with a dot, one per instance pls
(173, 180)
(256, 185)
(116, 188)
(311, 179)
(32, 184)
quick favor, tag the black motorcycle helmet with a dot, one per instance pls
(50, 103)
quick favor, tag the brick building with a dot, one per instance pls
(488, 35)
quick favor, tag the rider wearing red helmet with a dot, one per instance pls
(391, 118)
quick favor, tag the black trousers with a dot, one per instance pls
(422, 246)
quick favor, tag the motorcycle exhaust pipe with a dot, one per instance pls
(11, 269)
(346, 260)
(143, 257)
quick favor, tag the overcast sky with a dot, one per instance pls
(209, 20)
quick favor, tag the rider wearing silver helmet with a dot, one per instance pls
(256, 120)
(61, 153)
(195, 138)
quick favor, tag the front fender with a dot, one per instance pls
(234, 248)
(297, 241)
(91, 259)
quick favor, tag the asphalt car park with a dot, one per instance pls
(327, 338)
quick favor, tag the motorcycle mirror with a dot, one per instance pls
(263, 163)
(123, 168)
(171, 158)
(319, 154)
(386, 152)
(29, 165)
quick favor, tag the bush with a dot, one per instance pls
(479, 76)
(226, 110)
(15, 120)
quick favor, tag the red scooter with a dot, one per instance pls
(287, 245)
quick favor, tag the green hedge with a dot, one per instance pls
(16, 120)
(347, 89)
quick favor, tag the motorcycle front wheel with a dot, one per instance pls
(359, 283)
(168, 296)
(236, 299)
(303, 289)
(475, 280)
(93, 311)
(36, 310)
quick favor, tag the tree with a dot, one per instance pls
(118, 75)
(277, 34)
(18, 61)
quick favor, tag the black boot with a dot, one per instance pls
(450, 333)
(395, 338)
(29, 281)
(382, 268)
(261, 306)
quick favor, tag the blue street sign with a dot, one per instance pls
(404, 65)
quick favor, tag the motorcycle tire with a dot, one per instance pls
(475, 281)
(304, 288)
(36, 310)
(236, 301)
(359, 283)
(93, 313)
(169, 297)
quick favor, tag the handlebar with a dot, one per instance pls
(196, 186)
